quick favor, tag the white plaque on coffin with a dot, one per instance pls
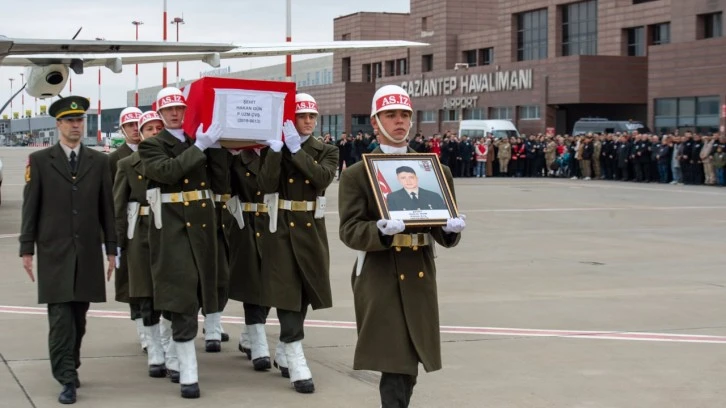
(246, 115)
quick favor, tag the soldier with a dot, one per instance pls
(410, 196)
(504, 155)
(550, 152)
(299, 271)
(183, 239)
(247, 252)
(67, 209)
(132, 230)
(128, 126)
(394, 279)
(597, 157)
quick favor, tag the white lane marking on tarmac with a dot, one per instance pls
(487, 331)
(9, 236)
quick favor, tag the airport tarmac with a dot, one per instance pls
(561, 294)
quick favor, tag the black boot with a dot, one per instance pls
(78, 383)
(304, 386)
(190, 390)
(245, 350)
(173, 376)
(157, 371)
(68, 395)
(262, 364)
(212, 346)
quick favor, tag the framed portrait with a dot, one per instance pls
(411, 187)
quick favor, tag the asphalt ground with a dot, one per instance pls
(561, 294)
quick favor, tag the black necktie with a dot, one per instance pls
(74, 163)
(413, 196)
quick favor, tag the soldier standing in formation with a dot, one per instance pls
(394, 279)
(67, 209)
(299, 272)
(132, 230)
(129, 127)
(183, 240)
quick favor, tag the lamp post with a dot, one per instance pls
(11, 96)
(176, 21)
(22, 96)
(288, 38)
(98, 133)
(163, 70)
(136, 91)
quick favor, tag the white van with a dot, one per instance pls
(480, 128)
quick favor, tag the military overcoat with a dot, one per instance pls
(395, 295)
(248, 284)
(184, 250)
(219, 164)
(302, 259)
(121, 275)
(64, 219)
(130, 186)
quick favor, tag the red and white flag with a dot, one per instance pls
(385, 189)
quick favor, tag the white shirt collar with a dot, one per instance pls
(304, 139)
(133, 146)
(393, 150)
(67, 150)
(178, 134)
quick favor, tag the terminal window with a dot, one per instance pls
(698, 113)
(427, 62)
(529, 112)
(501, 113)
(579, 28)
(427, 116)
(660, 34)
(402, 66)
(470, 57)
(486, 56)
(635, 41)
(532, 35)
(710, 25)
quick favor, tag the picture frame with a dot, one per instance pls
(394, 177)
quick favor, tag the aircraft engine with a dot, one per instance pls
(47, 81)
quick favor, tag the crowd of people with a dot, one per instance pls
(689, 158)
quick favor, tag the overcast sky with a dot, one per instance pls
(235, 21)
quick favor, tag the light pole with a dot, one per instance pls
(11, 96)
(288, 38)
(136, 92)
(98, 133)
(176, 21)
(163, 70)
(22, 96)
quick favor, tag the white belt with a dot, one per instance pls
(297, 205)
(185, 196)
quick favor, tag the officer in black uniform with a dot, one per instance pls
(411, 196)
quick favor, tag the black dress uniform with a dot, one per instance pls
(67, 215)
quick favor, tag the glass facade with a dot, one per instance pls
(579, 28)
(660, 34)
(635, 41)
(332, 124)
(532, 35)
(529, 112)
(504, 112)
(694, 113)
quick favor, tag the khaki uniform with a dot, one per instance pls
(395, 295)
(300, 268)
(550, 154)
(504, 155)
(121, 275)
(184, 250)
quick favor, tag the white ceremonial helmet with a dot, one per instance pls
(169, 97)
(390, 97)
(148, 116)
(128, 115)
(305, 103)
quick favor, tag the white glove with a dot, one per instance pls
(118, 257)
(455, 225)
(292, 138)
(209, 138)
(275, 145)
(390, 227)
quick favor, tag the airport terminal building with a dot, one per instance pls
(543, 64)
(540, 63)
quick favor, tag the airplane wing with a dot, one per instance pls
(29, 46)
(210, 56)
